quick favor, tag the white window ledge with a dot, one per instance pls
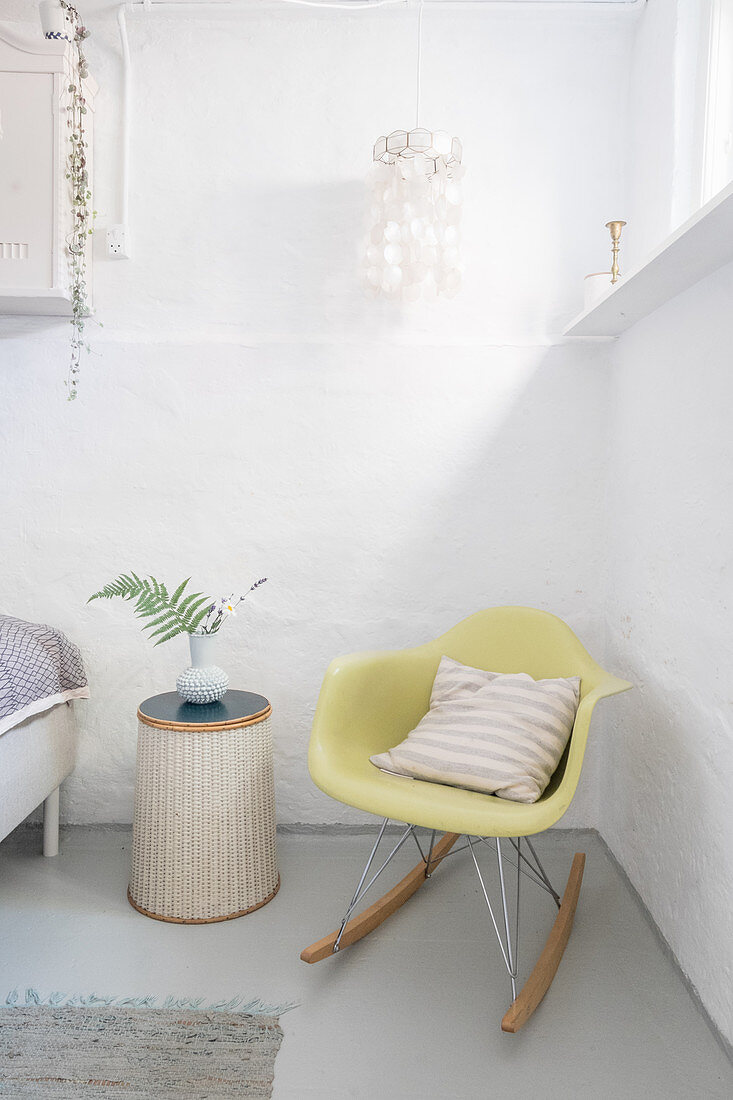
(698, 247)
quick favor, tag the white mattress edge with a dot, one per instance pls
(40, 705)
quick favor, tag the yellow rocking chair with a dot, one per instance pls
(368, 704)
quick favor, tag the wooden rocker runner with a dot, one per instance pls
(370, 701)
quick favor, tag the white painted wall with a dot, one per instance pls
(669, 764)
(246, 411)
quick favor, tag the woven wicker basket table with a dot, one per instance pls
(203, 839)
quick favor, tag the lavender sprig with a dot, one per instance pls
(223, 608)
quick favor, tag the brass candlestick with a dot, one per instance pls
(615, 228)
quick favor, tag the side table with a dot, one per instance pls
(203, 840)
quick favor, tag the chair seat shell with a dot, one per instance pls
(369, 702)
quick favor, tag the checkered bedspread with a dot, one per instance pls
(39, 667)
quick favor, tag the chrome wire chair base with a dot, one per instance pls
(361, 890)
(515, 852)
(530, 868)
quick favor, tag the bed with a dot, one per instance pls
(41, 673)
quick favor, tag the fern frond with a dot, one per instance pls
(149, 604)
(179, 592)
(194, 608)
(198, 618)
(170, 625)
(162, 620)
(167, 637)
(189, 600)
(123, 586)
(168, 615)
(162, 591)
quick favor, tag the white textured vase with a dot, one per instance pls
(204, 681)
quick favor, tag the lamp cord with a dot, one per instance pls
(419, 65)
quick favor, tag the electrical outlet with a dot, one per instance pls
(118, 243)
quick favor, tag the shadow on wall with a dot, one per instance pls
(387, 492)
(464, 486)
(275, 266)
(285, 262)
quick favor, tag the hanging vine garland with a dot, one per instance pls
(81, 195)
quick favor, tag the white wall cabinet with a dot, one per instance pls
(35, 206)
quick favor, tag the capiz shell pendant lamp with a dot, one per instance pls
(415, 193)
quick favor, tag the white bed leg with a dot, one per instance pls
(51, 824)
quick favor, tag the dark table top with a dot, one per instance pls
(236, 705)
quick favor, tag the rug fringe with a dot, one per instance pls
(93, 1000)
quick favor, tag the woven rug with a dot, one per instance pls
(76, 1052)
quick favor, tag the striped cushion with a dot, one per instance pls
(487, 731)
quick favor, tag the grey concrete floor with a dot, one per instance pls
(411, 1013)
